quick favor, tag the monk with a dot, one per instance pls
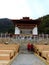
(29, 46)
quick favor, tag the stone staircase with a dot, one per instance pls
(23, 50)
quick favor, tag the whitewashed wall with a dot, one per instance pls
(35, 31)
(17, 30)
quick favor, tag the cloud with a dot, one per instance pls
(19, 8)
(14, 8)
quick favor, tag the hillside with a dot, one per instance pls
(6, 25)
(44, 25)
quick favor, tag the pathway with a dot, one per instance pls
(27, 59)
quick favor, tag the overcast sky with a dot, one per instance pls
(14, 9)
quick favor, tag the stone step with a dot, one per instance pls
(25, 51)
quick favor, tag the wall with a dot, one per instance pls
(17, 30)
(35, 31)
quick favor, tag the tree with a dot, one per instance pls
(44, 25)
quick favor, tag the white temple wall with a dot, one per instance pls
(35, 31)
(17, 30)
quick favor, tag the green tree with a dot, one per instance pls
(44, 25)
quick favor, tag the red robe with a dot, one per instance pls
(29, 46)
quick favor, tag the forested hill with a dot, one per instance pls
(6, 25)
(44, 25)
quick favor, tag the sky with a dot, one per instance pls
(16, 9)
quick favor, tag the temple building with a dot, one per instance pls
(26, 26)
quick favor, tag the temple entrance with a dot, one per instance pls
(25, 31)
(26, 26)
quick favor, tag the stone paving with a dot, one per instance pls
(27, 59)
